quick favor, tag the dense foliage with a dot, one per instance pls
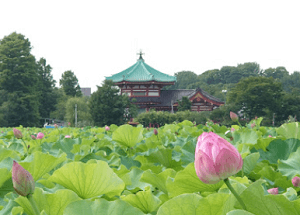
(127, 170)
(69, 84)
(107, 106)
(19, 102)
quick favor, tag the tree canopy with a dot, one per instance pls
(256, 96)
(19, 81)
(69, 83)
(184, 104)
(107, 106)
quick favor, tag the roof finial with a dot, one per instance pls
(141, 53)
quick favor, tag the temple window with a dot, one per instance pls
(139, 93)
(153, 93)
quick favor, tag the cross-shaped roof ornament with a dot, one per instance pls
(141, 53)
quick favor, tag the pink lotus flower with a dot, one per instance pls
(232, 129)
(55, 126)
(296, 181)
(69, 123)
(33, 137)
(252, 125)
(234, 117)
(18, 134)
(155, 131)
(67, 136)
(270, 135)
(23, 182)
(107, 128)
(273, 191)
(40, 135)
(215, 158)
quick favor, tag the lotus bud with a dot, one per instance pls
(55, 126)
(252, 125)
(18, 134)
(155, 131)
(40, 135)
(296, 181)
(69, 123)
(23, 182)
(234, 117)
(215, 158)
(33, 137)
(147, 128)
(67, 136)
(107, 128)
(273, 191)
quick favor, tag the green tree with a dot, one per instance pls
(60, 106)
(83, 111)
(184, 104)
(184, 78)
(107, 106)
(278, 73)
(256, 96)
(46, 88)
(290, 83)
(69, 83)
(19, 81)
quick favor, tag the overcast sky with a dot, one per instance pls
(95, 39)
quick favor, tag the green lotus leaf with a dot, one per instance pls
(53, 203)
(186, 204)
(144, 200)
(38, 163)
(239, 212)
(5, 175)
(250, 162)
(89, 180)
(258, 203)
(289, 130)
(127, 135)
(186, 181)
(101, 206)
(291, 166)
(158, 180)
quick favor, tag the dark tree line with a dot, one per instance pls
(255, 92)
(27, 87)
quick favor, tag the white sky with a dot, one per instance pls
(95, 39)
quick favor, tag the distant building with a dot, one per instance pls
(86, 91)
(145, 84)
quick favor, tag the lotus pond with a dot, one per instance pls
(134, 170)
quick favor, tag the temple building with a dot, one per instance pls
(145, 84)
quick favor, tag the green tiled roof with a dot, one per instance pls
(141, 72)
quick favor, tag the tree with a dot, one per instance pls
(46, 88)
(107, 106)
(69, 83)
(83, 111)
(278, 73)
(184, 104)
(60, 104)
(256, 96)
(19, 82)
(184, 78)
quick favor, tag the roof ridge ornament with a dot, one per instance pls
(141, 53)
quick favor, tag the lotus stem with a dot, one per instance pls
(33, 204)
(235, 193)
